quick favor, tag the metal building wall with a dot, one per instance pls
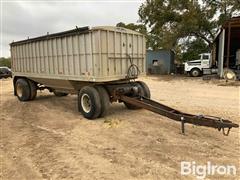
(165, 62)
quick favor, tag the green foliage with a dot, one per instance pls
(141, 28)
(169, 21)
(136, 27)
(194, 48)
(226, 8)
(5, 62)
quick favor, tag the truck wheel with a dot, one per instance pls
(59, 94)
(145, 88)
(23, 90)
(89, 103)
(105, 101)
(33, 89)
(195, 72)
(228, 74)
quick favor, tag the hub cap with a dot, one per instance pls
(195, 73)
(86, 103)
(19, 90)
(230, 75)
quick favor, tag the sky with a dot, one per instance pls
(23, 19)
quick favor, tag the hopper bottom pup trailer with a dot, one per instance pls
(100, 65)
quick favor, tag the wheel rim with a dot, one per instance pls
(86, 103)
(19, 90)
(195, 73)
(229, 76)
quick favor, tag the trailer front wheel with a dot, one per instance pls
(144, 91)
(89, 103)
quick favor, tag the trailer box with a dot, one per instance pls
(60, 60)
(98, 64)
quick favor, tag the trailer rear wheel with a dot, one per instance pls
(105, 101)
(89, 103)
(33, 89)
(23, 91)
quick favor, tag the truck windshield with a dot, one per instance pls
(205, 57)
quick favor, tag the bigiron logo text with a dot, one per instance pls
(201, 171)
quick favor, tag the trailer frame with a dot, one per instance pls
(176, 115)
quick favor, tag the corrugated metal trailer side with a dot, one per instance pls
(100, 54)
(98, 64)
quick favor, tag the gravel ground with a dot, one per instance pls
(49, 139)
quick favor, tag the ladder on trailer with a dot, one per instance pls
(199, 120)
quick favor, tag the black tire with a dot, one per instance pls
(195, 72)
(145, 88)
(59, 94)
(130, 106)
(89, 103)
(23, 91)
(105, 100)
(33, 89)
(144, 91)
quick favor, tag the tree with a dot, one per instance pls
(225, 8)
(136, 27)
(172, 21)
(193, 49)
(5, 62)
(141, 28)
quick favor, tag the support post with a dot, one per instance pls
(228, 45)
(221, 53)
(182, 125)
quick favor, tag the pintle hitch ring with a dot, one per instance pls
(224, 132)
(223, 129)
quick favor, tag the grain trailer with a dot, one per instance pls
(100, 64)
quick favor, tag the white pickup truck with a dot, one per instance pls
(195, 67)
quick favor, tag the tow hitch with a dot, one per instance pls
(199, 120)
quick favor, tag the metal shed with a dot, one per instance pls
(160, 61)
(226, 49)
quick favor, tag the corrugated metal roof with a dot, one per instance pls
(234, 22)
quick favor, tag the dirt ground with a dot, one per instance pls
(49, 139)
